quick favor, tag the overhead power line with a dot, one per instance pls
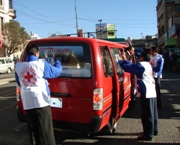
(31, 10)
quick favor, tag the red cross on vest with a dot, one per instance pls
(28, 77)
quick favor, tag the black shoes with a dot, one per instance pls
(145, 138)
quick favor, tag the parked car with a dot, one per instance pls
(6, 65)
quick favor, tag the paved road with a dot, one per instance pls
(129, 126)
(6, 78)
(13, 132)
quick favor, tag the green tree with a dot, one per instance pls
(14, 37)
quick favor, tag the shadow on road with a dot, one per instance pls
(101, 139)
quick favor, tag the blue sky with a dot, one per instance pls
(135, 19)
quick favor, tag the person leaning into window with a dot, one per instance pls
(146, 88)
(35, 94)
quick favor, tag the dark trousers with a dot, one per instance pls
(158, 92)
(40, 125)
(149, 115)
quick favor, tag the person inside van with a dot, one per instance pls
(146, 88)
(35, 94)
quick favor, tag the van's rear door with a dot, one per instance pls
(71, 93)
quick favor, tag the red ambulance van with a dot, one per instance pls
(93, 92)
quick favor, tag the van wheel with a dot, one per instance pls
(8, 70)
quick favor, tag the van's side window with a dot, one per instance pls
(108, 66)
(115, 52)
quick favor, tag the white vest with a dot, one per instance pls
(154, 61)
(148, 80)
(33, 85)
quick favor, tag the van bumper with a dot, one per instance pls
(21, 116)
(91, 127)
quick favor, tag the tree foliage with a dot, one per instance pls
(14, 37)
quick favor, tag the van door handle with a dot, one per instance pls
(121, 79)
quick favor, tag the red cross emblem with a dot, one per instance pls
(28, 77)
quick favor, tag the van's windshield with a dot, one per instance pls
(75, 59)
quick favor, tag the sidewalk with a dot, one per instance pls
(170, 82)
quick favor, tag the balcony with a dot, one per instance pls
(12, 13)
(1, 9)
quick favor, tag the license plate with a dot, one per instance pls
(56, 102)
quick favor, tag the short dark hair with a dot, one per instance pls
(146, 56)
(32, 49)
(154, 48)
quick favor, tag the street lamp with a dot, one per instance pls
(100, 26)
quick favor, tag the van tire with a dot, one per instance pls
(9, 70)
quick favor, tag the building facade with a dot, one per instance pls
(168, 23)
(104, 30)
(7, 13)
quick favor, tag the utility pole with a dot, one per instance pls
(100, 26)
(76, 18)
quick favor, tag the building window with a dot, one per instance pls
(159, 32)
(0, 2)
(10, 4)
(162, 30)
(178, 8)
(1, 23)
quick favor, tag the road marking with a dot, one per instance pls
(6, 81)
(8, 95)
(7, 107)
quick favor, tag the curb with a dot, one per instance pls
(6, 81)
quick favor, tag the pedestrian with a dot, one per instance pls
(146, 88)
(157, 63)
(35, 94)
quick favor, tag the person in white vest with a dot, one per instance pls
(157, 63)
(31, 76)
(146, 88)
